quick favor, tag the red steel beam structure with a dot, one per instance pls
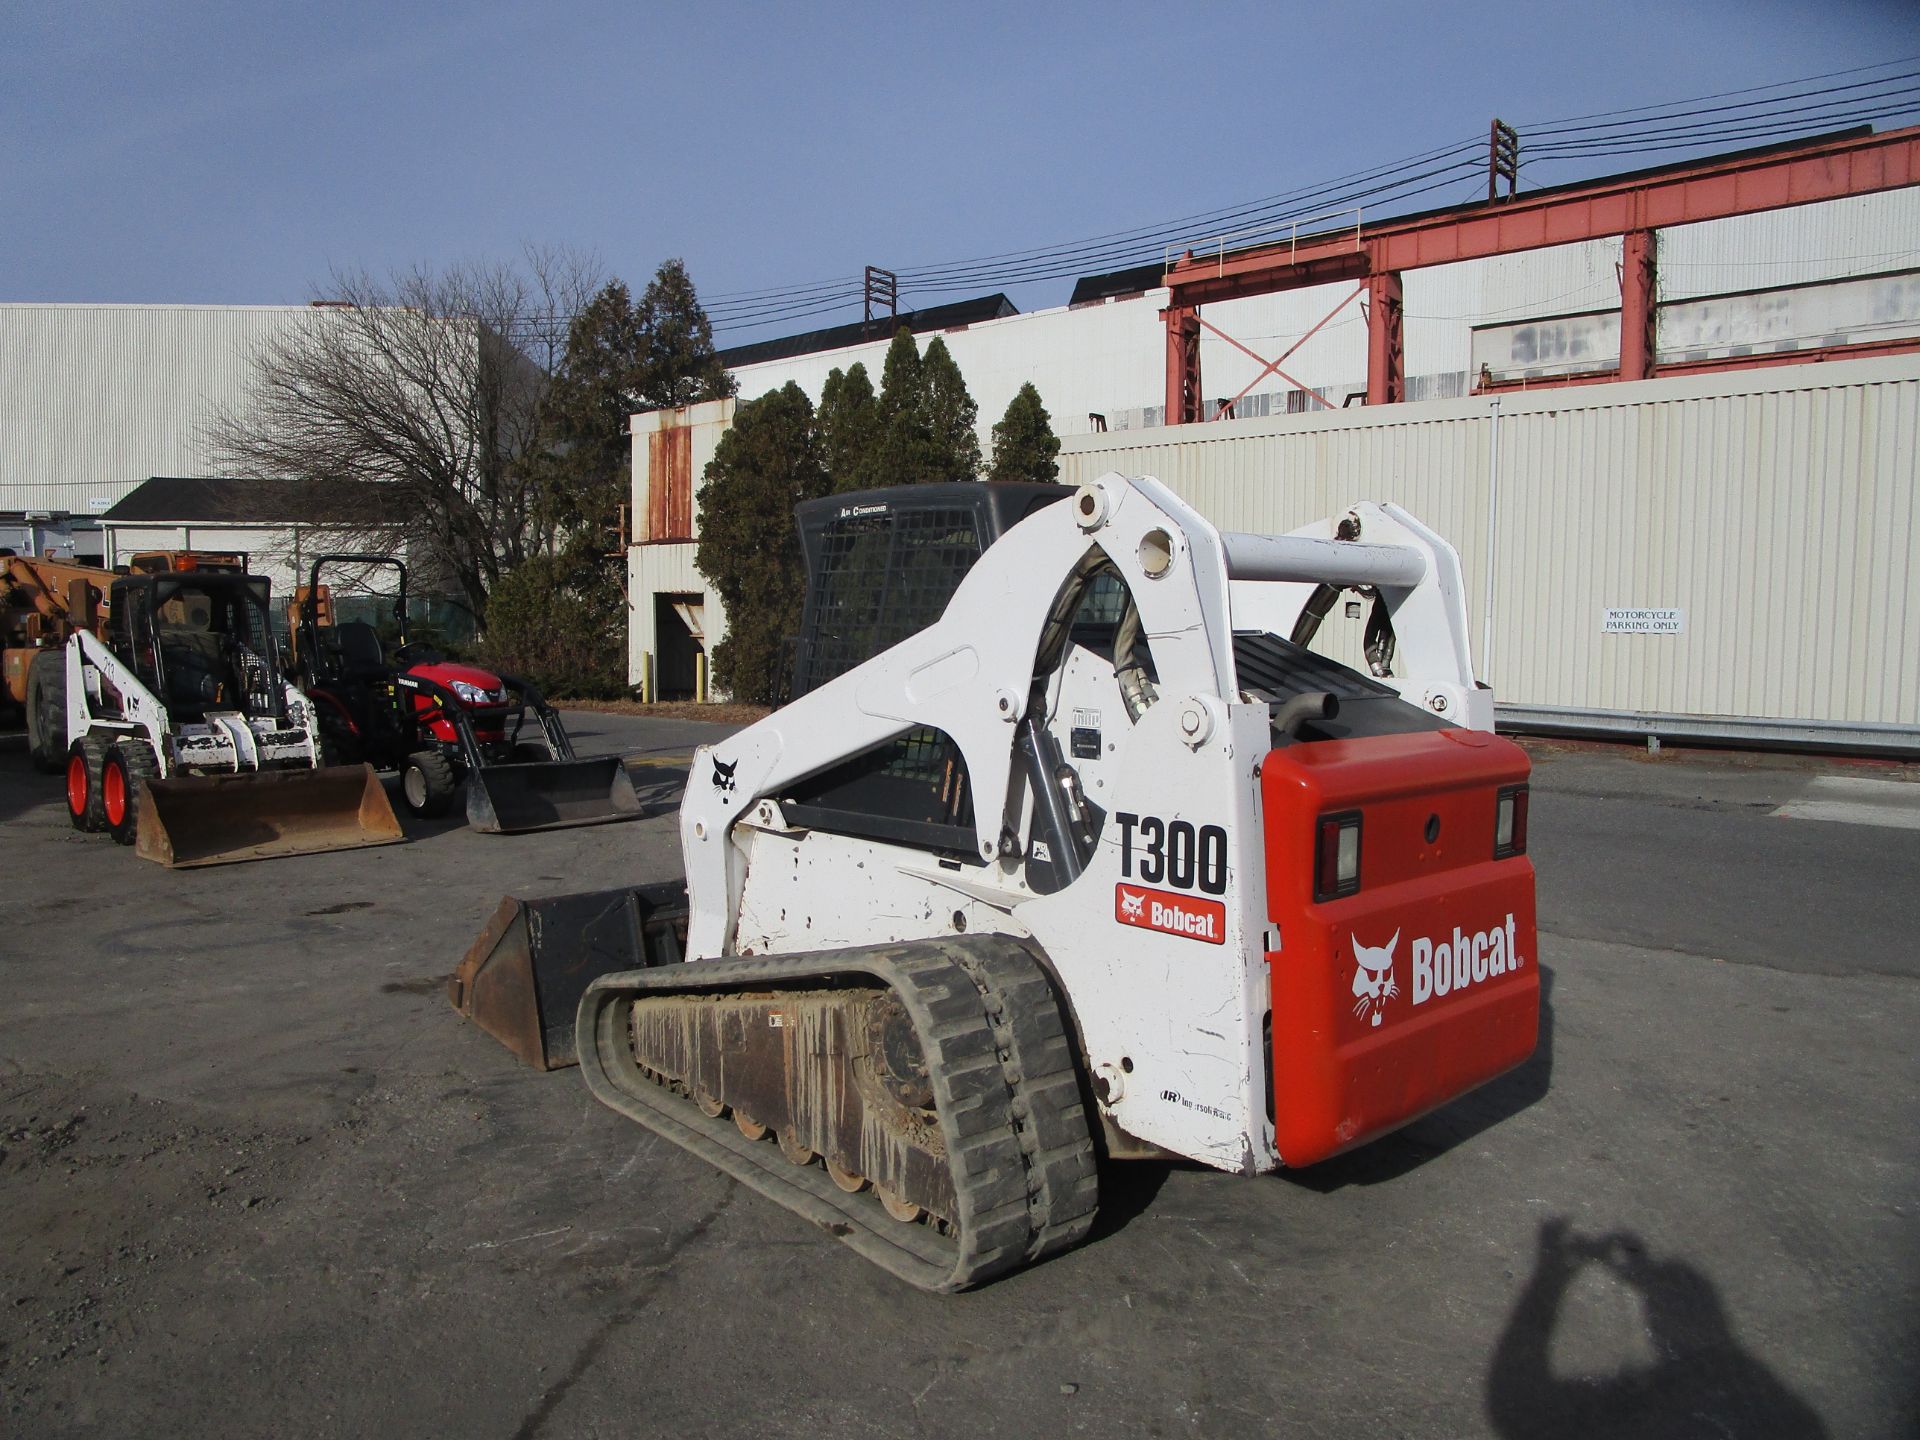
(1628, 206)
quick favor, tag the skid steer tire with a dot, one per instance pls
(123, 779)
(86, 761)
(47, 712)
(427, 784)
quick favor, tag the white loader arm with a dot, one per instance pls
(1414, 571)
(89, 664)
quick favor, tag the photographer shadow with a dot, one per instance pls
(1699, 1382)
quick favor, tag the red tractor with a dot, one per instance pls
(402, 707)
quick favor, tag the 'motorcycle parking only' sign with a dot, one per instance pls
(1643, 622)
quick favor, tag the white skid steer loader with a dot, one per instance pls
(1102, 861)
(188, 743)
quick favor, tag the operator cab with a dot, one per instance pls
(200, 640)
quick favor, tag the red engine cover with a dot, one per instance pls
(1396, 999)
(488, 721)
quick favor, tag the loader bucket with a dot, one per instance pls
(549, 795)
(219, 819)
(521, 981)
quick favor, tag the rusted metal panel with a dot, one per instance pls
(670, 484)
(827, 1070)
(522, 978)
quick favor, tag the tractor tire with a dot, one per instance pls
(427, 783)
(47, 711)
(86, 763)
(530, 752)
(123, 779)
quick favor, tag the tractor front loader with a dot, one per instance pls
(437, 722)
(186, 742)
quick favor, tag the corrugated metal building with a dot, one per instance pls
(1728, 554)
(1667, 495)
(97, 398)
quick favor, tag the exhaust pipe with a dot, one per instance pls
(550, 795)
(224, 819)
(1301, 709)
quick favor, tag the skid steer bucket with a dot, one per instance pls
(549, 795)
(522, 980)
(220, 819)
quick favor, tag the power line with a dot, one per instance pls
(1538, 130)
(1787, 107)
(1725, 94)
(1808, 116)
(1159, 232)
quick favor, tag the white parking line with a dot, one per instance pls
(1855, 800)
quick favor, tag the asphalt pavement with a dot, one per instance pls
(257, 1179)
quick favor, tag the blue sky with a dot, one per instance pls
(236, 153)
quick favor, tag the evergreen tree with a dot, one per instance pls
(561, 621)
(678, 365)
(926, 417)
(849, 428)
(905, 442)
(1024, 445)
(560, 618)
(953, 442)
(585, 459)
(766, 464)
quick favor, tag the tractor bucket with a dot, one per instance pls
(220, 819)
(550, 795)
(521, 981)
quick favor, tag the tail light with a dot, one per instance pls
(1510, 823)
(1336, 860)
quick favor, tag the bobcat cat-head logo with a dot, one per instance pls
(1131, 904)
(723, 775)
(1373, 979)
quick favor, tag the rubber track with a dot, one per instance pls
(1005, 1091)
(1049, 1112)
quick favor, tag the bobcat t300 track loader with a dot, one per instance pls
(1102, 862)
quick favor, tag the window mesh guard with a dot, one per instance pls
(879, 579)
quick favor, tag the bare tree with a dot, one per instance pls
(431, 383)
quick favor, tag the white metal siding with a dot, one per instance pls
(1860, 235)
(667, 569)
(1776, 508)
(95, 399)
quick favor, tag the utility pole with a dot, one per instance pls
(882, 287)
(1503, 159)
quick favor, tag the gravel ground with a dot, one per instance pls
(256, 1178)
